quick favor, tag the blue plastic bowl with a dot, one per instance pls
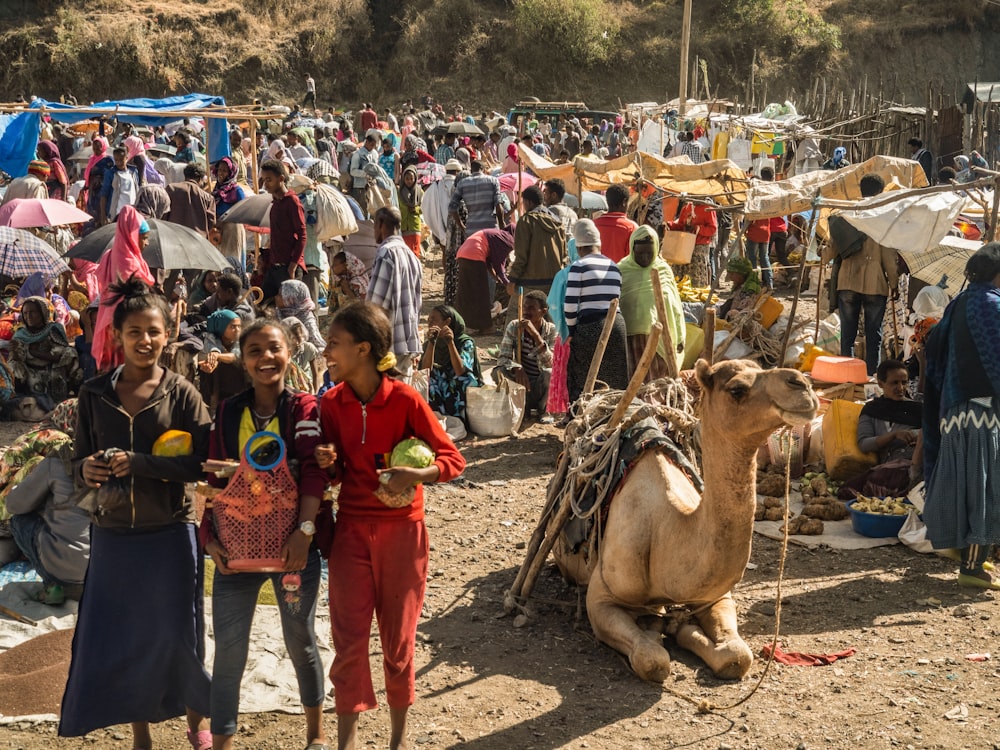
(875, 525)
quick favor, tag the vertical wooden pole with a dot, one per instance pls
(708, 327)
(661, 313)
(685, 49)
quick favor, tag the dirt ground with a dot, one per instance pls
(486, 685)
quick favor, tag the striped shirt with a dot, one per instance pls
(594, 280)
(395, 287)
(481, 194)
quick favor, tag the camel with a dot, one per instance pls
(664, 545)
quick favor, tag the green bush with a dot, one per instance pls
(577, 32)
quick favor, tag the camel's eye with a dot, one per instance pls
(738, 391)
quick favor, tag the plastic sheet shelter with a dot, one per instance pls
(20, 137)
(721, 180)
(765, 200)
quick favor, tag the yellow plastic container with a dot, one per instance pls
(808, 358)
(694, 342)
(844, 460)
(770, 311)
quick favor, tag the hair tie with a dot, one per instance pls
(386, 363)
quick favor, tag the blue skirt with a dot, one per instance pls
(963, 492)
(139, 647)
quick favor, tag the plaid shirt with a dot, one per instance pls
(693, 151)
(395, 287)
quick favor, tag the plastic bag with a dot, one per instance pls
(829, 333)
(334, 216)
(421, 383)
(495, 411)
(914, 534)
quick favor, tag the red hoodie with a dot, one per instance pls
(364, 436)
(698, 219)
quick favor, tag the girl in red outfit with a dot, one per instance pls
(380, 553)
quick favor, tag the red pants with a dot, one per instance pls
(378, 568)
(412, 240)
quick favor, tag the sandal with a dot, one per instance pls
(200, 740)
(984, 581)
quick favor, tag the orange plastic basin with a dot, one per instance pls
(840, 370)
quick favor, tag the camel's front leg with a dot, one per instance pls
(715, 639)
(616, 626)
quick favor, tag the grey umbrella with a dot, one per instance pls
(254, 211)
(460, 127)
(170, 246)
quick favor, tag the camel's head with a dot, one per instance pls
(746, 401)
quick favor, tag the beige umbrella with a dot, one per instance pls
(946, 261)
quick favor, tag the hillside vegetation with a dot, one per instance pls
(489, 52)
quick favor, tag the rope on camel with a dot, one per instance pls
(704, 705)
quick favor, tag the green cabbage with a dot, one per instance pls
(413, 452)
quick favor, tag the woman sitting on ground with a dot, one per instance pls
(529, 364)
(42, 360)
(351, 278)
(450, 355)
(890, 427)
(222, 374)
(294, 301)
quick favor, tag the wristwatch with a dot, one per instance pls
(308, 528)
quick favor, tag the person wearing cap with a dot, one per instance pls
(31, 185)
(364, 156)
(593, 282)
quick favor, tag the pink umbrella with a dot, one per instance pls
(508, 181)
(24, 213)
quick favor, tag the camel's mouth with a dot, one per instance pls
(796, 417)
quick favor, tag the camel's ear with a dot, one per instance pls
(703, 371)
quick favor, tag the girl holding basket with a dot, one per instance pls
(268, 406)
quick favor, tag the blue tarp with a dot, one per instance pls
(19, 137)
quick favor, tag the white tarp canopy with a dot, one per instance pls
(766, 200)
(913, 222)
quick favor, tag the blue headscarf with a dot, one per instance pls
(219, 321)
(838, 155)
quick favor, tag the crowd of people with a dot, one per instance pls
(121, 353)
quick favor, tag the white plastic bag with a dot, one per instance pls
(333, 213)
(495, 411)
(914, 534)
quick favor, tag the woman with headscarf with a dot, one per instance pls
(228, 193)
(152, 201)
(410, 197)
(638, 305)
(450, 355)
(294, 301)
(963, 169)
(122, 262)
(278, 151)
(408, 127)
(482, 262)
(222, 373)
(42, 360)
(350, 278)
(510, 162)
(838, 160)
(135, 153)
(961, 423)
(57, 181)
(559, 402)
(99, 146)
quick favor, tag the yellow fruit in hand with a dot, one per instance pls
(173, 443)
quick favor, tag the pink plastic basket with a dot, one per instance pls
(257, 511)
